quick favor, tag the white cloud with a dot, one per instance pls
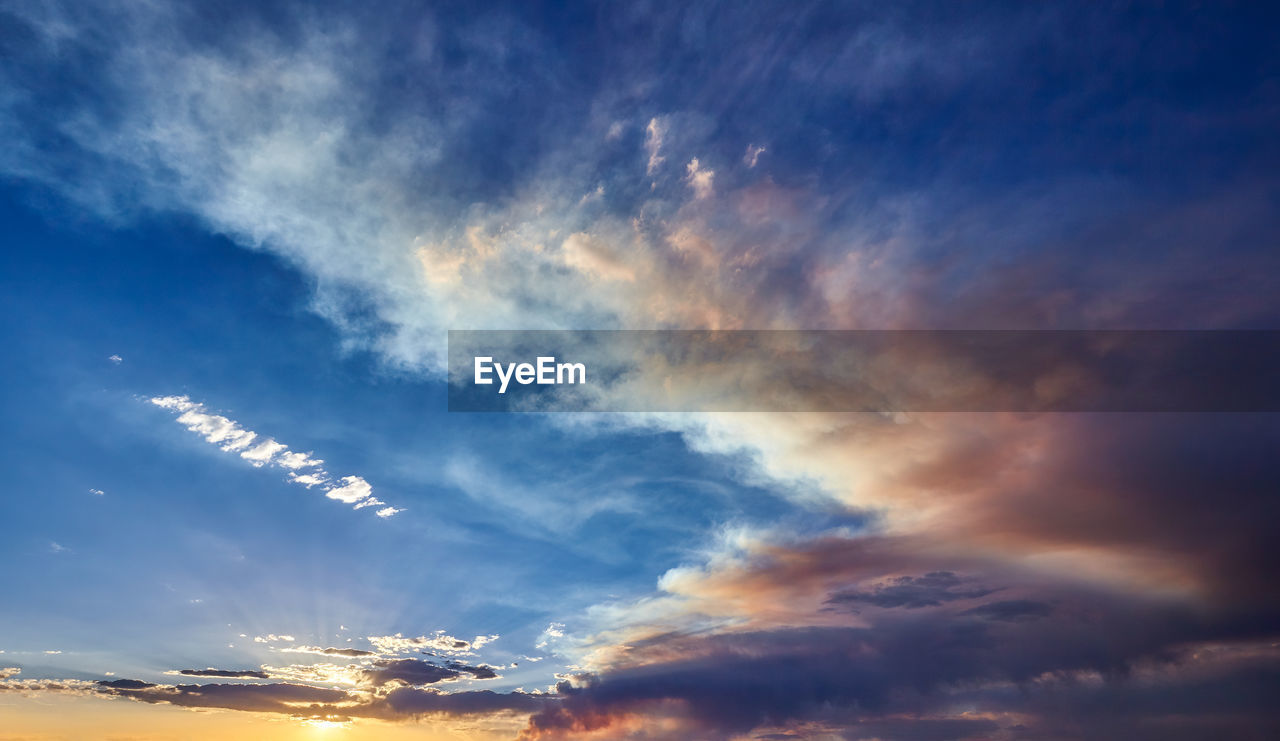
(58, 548)
(308, 479)
(700, 179)
(438, 641)
(116, 359)
(290, 459)
(9, 671)
(753, 155)
(97, 492)
(553, 632)
(653, 134)
(263, 452)
(594, 195)
(353, 490)
(259, 451)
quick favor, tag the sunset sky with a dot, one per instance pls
(237, 233)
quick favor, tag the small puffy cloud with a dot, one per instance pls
(9, 671)
(58, 547)
(353, 490)
(262, 453)
(437, 642)
(97, 492)
(653, 135)
(699, 179)
(753, 155)
(273, 638)
(115, 359)
(553, 632)
(294, 461)
(595, 195)
(308, 479)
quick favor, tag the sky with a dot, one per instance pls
(236, 235)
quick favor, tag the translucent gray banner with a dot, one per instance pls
(864, 371)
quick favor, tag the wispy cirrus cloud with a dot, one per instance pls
(224, 673)
(261, 451)
(329, 651)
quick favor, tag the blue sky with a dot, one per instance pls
(497, 533)
(269, 215)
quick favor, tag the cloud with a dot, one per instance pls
(353, 490)
(227, 673)
(1012, 610)
(115, 359)
(753, 155)
(371, 670)
(910, 592)
(302, 468)
(654, 131)
(921, 187)
(439, 642)
(416, 672)
(396, 703)
(347, 652)
(97, 492)
(745, 646)
(592, 257)
(699, 178)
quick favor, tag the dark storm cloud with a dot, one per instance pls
(922, 729)
(420, 672)
(1198, 490)
(872, 681)
(1011, 610)
(125, 684)
(929, 590)
(482, 671)
(407, 701)
(1030, 662)
(277, 698)
(320, 702)
(408, 671)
